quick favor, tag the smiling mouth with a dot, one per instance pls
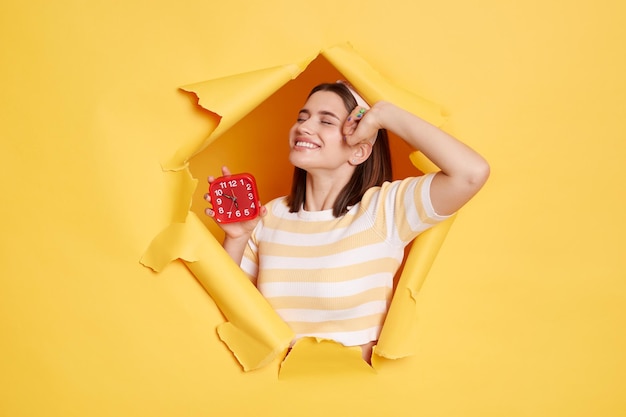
(308, 145)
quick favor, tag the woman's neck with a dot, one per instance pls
(322, 190)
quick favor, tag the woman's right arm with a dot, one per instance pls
(463, 170)
(235, 247)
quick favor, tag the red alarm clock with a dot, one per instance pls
(235, 198)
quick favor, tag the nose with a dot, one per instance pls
(305, 127)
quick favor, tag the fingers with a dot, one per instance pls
(350, 125)
(351, 131)
(225, 172)
(353, 119)
(208, 211)
(207, 197)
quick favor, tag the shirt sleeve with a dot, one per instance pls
(402, 209)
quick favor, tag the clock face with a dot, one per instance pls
(234, 198)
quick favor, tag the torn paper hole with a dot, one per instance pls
(250, 107)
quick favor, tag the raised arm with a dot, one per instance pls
(463, 170)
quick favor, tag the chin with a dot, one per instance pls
(295, 159)
(301, 165)
(291, 157)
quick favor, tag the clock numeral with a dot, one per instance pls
(241, 192)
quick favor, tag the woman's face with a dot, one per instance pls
(316, 139)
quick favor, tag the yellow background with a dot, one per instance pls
(523, 312)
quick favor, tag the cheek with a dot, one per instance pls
(292, 131)
(337, 138)
(333, 133)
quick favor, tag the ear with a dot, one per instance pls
(361, 151)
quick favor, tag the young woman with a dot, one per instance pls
(325, 256)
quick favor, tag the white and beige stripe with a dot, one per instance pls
(333, 277)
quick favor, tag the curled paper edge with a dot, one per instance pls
(231, 98)
(312, 357)
(398, 336)
(254, 332)
(375, 87)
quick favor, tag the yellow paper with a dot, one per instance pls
(522, 313)
(254, 332)
(320, 359)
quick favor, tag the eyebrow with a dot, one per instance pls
(323, 113)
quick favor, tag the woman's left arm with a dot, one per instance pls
(463, 170)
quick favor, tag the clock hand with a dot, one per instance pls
(235, 200)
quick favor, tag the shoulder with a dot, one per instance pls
(279, 203)
(397, 187)
(278, 208)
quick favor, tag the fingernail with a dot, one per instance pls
(349, 118)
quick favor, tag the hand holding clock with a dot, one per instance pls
(235, 203)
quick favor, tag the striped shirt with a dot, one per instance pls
(330, 277)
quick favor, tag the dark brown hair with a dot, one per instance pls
(372, 172)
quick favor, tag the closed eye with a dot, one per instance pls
(332, 116)
(303, 116)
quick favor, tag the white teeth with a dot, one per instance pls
(306, 145)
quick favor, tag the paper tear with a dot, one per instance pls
(175, 242)
(250, 353)
(180, 186)
(398, 336)
(231, 98)
(254, 332)
(374, 87)
(313, 357)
